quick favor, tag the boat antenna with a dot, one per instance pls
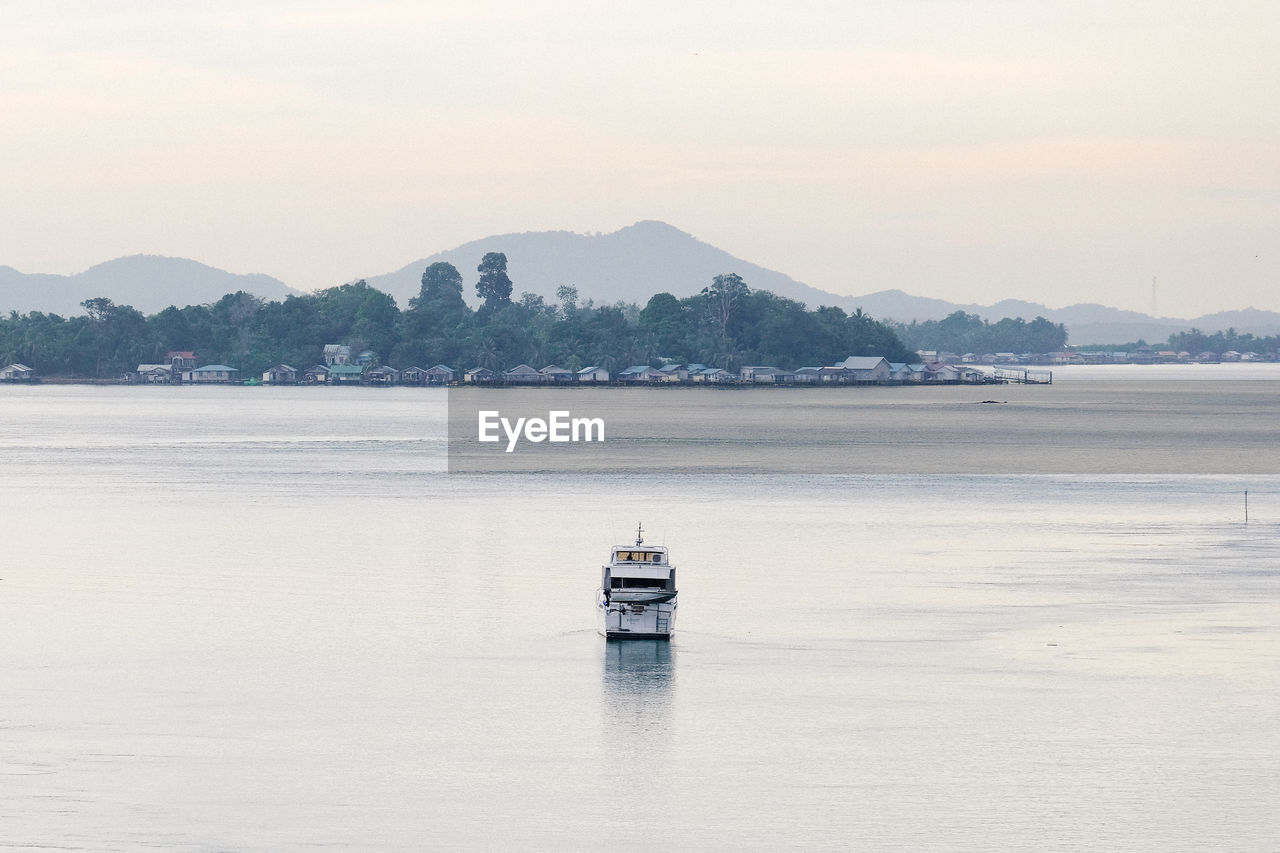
(640, 534)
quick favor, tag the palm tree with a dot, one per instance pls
(488, 353)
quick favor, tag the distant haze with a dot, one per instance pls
(633, 263)
(1059, 153)
(147, 282)
(628, 265)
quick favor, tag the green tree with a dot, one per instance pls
(494, 286)
(441, 288)
(959, 332)
(663, 320)
(116, 337)
(242, 309)
(722, 297)
(568, 296)
(727, 324)
(437, 323)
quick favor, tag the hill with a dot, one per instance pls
(149, 283)
(629, 265)
(1087, 323)
(635, 262)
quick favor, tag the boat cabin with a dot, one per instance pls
(639, 568)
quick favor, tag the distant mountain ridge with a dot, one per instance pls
(149, 283)
(628, 265)
(637, 261)
(1087, 323)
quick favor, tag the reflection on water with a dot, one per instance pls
(638, 667)
(638, 680)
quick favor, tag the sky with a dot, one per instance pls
(1060, 152)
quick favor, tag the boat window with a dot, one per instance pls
(638, 583)
(657, 558)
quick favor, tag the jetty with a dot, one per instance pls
(1023, 376)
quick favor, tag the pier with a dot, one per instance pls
(1023, 376)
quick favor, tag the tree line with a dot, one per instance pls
(968, 333)
(726, 325)
(1195, 342)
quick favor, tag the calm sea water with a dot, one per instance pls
(266, 619)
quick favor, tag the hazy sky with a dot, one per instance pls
(971, 151)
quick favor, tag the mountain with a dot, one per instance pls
(631, 265)
(628, 265)
(1087, 323)
(149, 283)
(1250, 320)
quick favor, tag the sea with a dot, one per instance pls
(274, 619)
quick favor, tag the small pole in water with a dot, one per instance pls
(1246, 506)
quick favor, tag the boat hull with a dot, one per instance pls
(627, 635)
(637, 620)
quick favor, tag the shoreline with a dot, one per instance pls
(1199, 371)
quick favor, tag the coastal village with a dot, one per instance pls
(341, 367)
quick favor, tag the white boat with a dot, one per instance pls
(637, 597)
